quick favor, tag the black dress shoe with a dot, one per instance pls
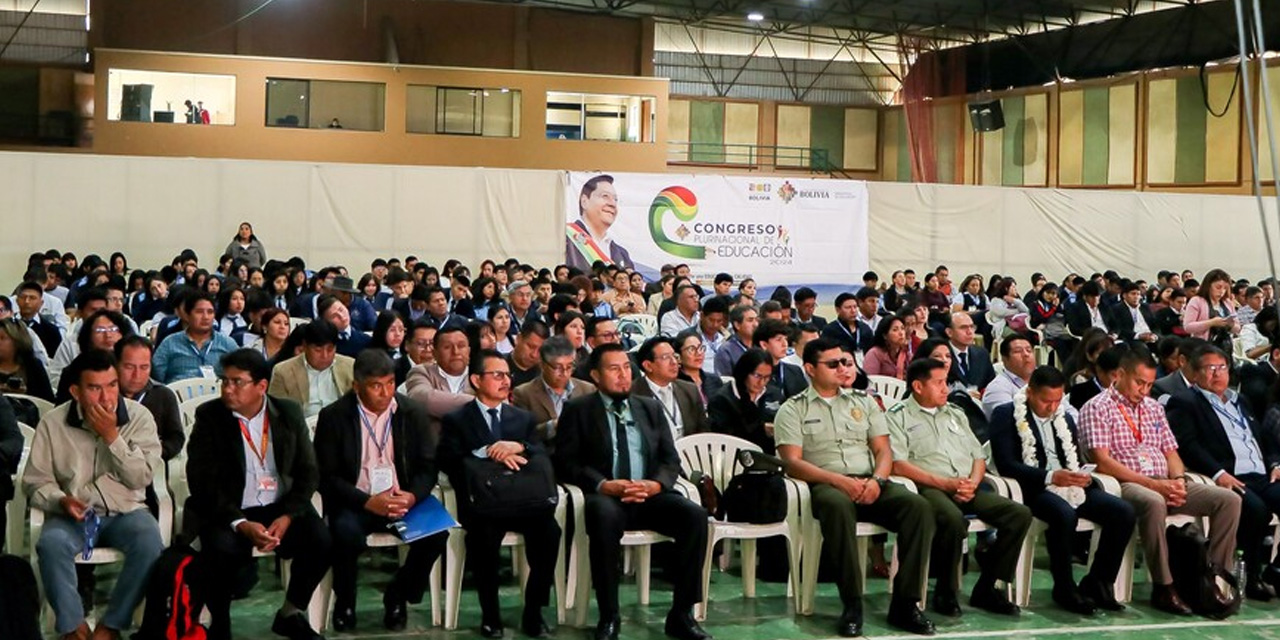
(1164, 598)
(294, 627)
(993, 600)
(607, 629)
(492, 629)
(532, 624)
(946, 604)
(850, 624)
(395, 613)
(344, 618)
(905, 615)
(1099, 594)
(1271, 576)
(1072, 600)
(681, 626)
(1256, 589)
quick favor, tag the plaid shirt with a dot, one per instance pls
(1105, 424)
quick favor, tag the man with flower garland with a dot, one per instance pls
(1034, 442)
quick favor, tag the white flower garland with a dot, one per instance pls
(1073, 495)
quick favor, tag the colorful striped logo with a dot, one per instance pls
(684, 206)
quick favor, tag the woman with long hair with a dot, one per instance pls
(275, 331)
(500, 319)
(1211, 313)
(746, 409)
(119, 265)
(20, 370)
(231, 321)
(889, 353)
(693, 354)
(246, 246)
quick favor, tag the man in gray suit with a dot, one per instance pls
(680, 399)
(449, 372)
(1176, 383)
(546, 395)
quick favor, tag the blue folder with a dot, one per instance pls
(426, 518)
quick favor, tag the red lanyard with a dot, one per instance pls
(1137, 433)
(266, 428)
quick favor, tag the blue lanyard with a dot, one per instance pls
(386, 433)
(1239, 422)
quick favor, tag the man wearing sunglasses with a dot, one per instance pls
(836, 439)
(91, 461)
(1219, 436)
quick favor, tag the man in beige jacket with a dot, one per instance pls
(91, 462)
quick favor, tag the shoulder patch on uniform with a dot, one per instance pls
(897, 407)
(859, 392)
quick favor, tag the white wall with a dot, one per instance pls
(151, 208)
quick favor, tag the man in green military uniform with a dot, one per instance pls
(837, 441)
(933, 446)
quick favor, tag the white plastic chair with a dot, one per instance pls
(1123, 587)
(645, 321)
(188, 410)
(42, 406)
(579, 569)
(103, 555)
(193, 388)
(318, 608)
(1026, 559)
(294, 323)
(889, 387)
(716, 455)
(14, 538)
(456, 561)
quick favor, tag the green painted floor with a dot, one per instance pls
(768, 616)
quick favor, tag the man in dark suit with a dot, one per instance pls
(1256, 380)
(304, 305)
(970, 363)
(11, 443)
(587, 239)
(772, 337)
(806, 303)
(1219, 437)
(1058, 492)
(1087, 312)
(1178, 382)
(1107, 367)
(252, 474)
(846, 329)
(376, 457)
(1131, 320)
(351, 341)
(30, 299)
(618, 449)
(438, 311)
(1169, 319)
(507, 435)
(680, 399)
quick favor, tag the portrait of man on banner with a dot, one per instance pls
(587, 238)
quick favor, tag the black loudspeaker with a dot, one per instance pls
(986, 116)
(135, 104)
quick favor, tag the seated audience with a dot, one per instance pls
(91, 462)
(196, 351)
(316, 378)
(747, 407)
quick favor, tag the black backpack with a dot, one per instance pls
(1211, 591)
(758, 495)
(20, 605)
(175, 598)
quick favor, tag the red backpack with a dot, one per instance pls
(175, 598)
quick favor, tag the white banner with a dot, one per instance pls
(775, 230)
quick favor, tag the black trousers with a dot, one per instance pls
(1113, 514)
(669, 514)
(349, 529)
(306, 542)
(484, 545)
(1261, 499)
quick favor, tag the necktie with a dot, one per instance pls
(345, 335)
(620, 434)
(964, 362)
(493, 424)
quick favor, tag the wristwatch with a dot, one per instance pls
(880, 481)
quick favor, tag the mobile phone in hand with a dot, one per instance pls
(1088, 468)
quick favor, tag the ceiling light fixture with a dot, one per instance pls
(755, 16)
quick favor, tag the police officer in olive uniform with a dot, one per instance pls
(837, 440)
(933, 446)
